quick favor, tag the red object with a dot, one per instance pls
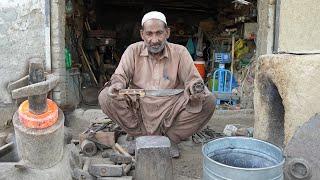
(38, 121)
(201, 69)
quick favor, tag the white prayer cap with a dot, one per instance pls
(154, 15)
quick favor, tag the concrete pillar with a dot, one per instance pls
(57, 51)
(265, 37)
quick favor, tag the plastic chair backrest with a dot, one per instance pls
(225, 80)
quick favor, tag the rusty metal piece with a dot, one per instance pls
(120, 158)
(89, 148)
(302, 152)
(80, 174)
(144, 92)
(105, 170)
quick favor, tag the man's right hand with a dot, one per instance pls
(114, 89)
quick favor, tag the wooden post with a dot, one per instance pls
(232, 53)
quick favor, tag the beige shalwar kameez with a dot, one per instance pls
(177, 116)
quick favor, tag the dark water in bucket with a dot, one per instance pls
(243, 158)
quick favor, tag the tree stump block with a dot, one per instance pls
(153, 158)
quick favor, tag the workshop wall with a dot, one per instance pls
(21, 37)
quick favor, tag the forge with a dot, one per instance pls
(286, 95)
(287, 107)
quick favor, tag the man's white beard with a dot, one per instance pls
(157, 49)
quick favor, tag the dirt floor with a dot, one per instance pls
(189, 165)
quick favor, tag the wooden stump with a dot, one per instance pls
(153, 158)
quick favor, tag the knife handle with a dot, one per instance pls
(140, 92)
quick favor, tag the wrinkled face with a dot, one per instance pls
(155, 34)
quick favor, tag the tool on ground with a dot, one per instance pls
(83, 174)
(205, 135)
(144, 92)
(88, 147)
(105, 170)
(101, 135)
(120, 158)
(121, 150)
(126, 168)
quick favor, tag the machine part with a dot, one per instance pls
(197, 87)
(105, 170)
(88, 147)
(143, 92)
(302, 152)
(243, 158)
(39, 121)
(40, 148)
(299, 169)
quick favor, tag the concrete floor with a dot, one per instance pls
(189, 165)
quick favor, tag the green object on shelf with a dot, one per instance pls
(215, 85)
(67, 58)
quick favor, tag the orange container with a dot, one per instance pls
(201, 69)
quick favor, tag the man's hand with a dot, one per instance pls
(114, 89)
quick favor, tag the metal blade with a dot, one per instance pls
(158, 92)
(163, 92)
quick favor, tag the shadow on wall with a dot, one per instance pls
(274, 110)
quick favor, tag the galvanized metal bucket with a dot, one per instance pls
(241, 158)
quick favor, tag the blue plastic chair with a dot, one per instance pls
(224, 89)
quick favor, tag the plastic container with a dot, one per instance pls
(200, 65)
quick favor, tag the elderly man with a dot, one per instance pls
(156, 64)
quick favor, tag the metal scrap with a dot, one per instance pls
(205, 135)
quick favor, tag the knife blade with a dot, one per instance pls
(157, 93)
